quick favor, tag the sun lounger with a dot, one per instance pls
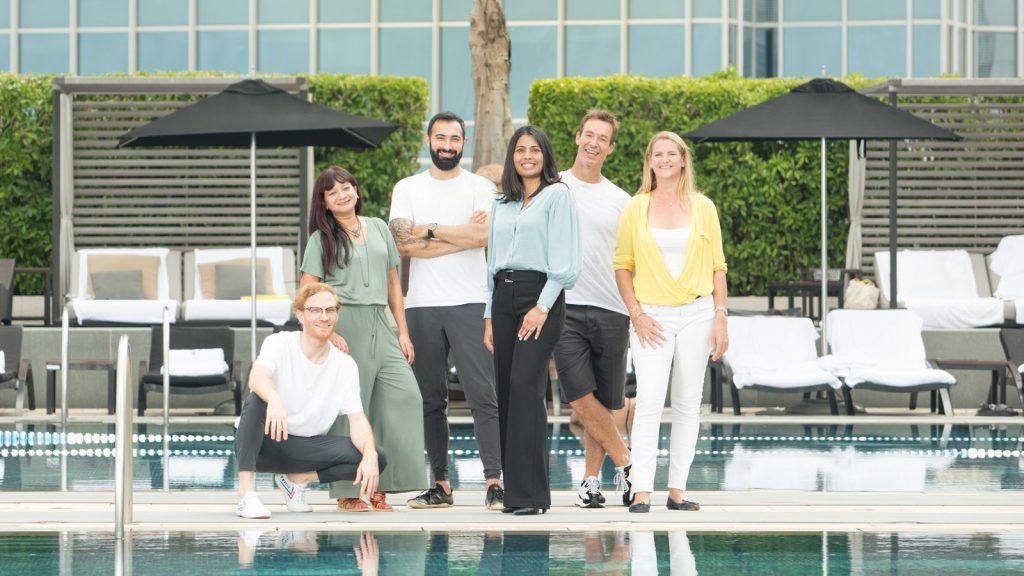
(217, 284)
(882, 350)
(125, 285)
(201, 361)
(776, 353)
(15, 370)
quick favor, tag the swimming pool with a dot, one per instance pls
(516, 553)
(868, 457)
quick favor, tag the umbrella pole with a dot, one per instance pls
(824, 249)
(252, 244)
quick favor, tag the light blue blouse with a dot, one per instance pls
(544, 236)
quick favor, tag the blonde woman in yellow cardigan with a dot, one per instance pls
(670, 270)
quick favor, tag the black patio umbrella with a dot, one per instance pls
(253, 113)
(824, 109)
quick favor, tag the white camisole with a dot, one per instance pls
(672, 242)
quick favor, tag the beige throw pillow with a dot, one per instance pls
(148, 265)
(208, 275)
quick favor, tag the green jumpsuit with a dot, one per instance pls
(391, 398)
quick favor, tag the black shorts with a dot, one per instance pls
(591, 355)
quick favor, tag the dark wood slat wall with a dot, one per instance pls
(967, 194)
(178, 198)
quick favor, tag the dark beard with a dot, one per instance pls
(445, 164)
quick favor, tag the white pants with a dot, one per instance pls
(683, 359)
(644, 554)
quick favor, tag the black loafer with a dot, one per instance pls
(508, 510)
(640, 507)
(684, 505)
(530, 511)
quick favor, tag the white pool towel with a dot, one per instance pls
(949, 314)
(276, 312)
(881, 347)
(199, 362)
(1008, 259)
(3, 362)
(126, 311)
(775, 351)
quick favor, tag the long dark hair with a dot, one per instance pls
(511, 184)
(322, 220)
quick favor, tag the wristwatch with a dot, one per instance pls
(722, 309)
(543, 308)
(430, 230)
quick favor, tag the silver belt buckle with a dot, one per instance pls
(508, 278)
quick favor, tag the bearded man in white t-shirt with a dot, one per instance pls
(299, 385)
(591, 353)
(439, 219)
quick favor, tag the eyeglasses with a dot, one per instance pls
(331, 311)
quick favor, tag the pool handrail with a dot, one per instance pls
(123, 442)
(167, 397)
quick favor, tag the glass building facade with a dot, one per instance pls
(550, 38)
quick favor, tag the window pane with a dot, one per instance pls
(708, 57)
(44, 14)
(926, 51)
(406, 11)
(5, 15)
(224, 51)
(813, 11)
(163, 51)
(994, 54)
(283, 11)
(657, 9)
(332, 11)
(591, 9)
(223, 11)
(163, 12)
(456, 72)
(808, 49)
(531, 10)
(995, 12)
(748, 58)
(456, 10)
(533, 56)
(102, 52)
(44, 54)
(282, 51)
(406, 52)
(344, 51)
(767, 10)
(877, 10)
(877, 50)
(657, 50)
(102, 13)
(707, 9)
(591, 50)
(766, 53)
(927, 9)
(5, 53)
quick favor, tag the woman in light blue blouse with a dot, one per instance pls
(533, 257)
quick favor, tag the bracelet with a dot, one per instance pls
(722, 309)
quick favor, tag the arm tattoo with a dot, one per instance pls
(401, 229)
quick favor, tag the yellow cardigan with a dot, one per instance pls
(636, 251)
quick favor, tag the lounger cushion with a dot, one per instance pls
(208, 278)
(147, 266)
(234, 281)
(775, 352)
(117, 285)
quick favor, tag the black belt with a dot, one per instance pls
(511, 276)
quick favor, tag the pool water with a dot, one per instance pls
(866, 457)
(513, 553)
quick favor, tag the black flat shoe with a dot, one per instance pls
(684, 505)
(530, 511)
(508, 510)
(640, 507)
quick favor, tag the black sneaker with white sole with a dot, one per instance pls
(435, 497)
(589, 493)
(495, 498)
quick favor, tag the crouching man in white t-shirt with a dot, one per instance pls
(299, 385)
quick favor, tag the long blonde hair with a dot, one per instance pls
(687, 184)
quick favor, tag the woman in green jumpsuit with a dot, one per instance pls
(357, 256)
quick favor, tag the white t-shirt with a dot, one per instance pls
(599, 206)
(454, 279)
(313, 394)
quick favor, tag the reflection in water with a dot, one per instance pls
(645, 554)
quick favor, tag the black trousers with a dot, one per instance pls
(521, 374)
(332, 457)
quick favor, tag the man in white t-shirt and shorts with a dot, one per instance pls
(298, 386)
(439, 220)
(591, 353)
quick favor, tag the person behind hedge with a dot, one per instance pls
(670, 268)
(533, 257)
(357, 256)
(591, 354)
(298, 386)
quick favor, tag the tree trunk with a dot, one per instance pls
(489, 47)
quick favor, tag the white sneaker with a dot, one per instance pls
(251, 507)
(589, 493)
(294, 494)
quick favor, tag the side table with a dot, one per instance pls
(53, 367)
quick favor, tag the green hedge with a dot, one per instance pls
(26, 155)
(768, 194)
